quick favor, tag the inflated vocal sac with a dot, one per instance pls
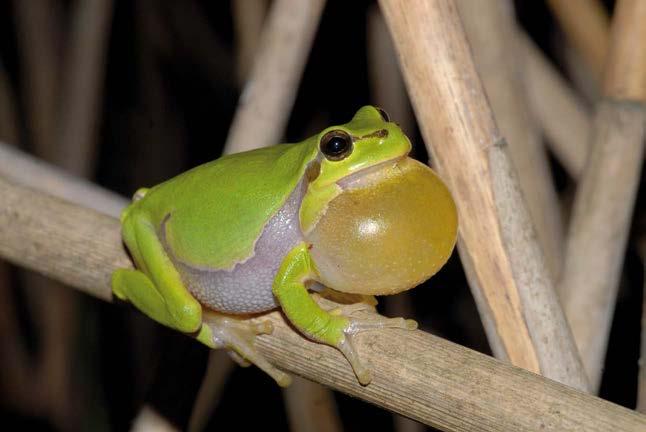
(389, 230)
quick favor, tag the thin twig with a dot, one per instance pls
(503, 261)
(606, 193)
(416, 374)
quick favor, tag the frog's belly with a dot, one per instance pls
(247, 288)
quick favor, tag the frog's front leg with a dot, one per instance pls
(331, 328)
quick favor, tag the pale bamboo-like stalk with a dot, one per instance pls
(218, 369)
(492, 34)
(24, 169)
(414, 373)
(606, 194)
(83, 85)
(8, 118)
(39, 38)
(311, 407)
(561, 113)
(267, 98)
(149, 420)
(585, 24)
(505, 266)
(248, 17)
(386, 82)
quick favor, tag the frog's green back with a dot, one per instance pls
(219, 209)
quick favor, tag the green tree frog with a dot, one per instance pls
(346, 209)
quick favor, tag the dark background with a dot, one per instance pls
(166, 109)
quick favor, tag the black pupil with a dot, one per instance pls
(336, 145)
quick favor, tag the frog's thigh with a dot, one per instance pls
(159, 292)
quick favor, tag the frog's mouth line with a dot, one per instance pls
(354, 180)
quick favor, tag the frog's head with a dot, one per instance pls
(369, 141)
(378, 222)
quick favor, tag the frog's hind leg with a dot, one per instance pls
(237, 335)
(156, 288)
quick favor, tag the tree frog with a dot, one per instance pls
(346, 209)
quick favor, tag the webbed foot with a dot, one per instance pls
(358, 325)
(237, 336)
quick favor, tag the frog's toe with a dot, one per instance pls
(379, 322)
(238, 359)
(362, 373)
(237, 336)
(355, 326)
(263, 327)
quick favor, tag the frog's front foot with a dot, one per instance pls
(237, 336)
(358, 325)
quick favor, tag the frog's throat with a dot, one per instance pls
(316, 199)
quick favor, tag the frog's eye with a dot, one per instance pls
(336, 145)
(384, 114)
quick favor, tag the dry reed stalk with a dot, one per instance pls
(492, 32)
(386, 82)
(8, 120)
(83, 86)
(585, 24)
(218, 369)
(149, 420)
(503, 261)
(562, 115)
(606, 194)
(269, 93)
(416, 374)
(39, 42)
(248, 17)
(24, 169)
(311, 407)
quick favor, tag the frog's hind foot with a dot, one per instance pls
(237, 336)
(358, 325)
